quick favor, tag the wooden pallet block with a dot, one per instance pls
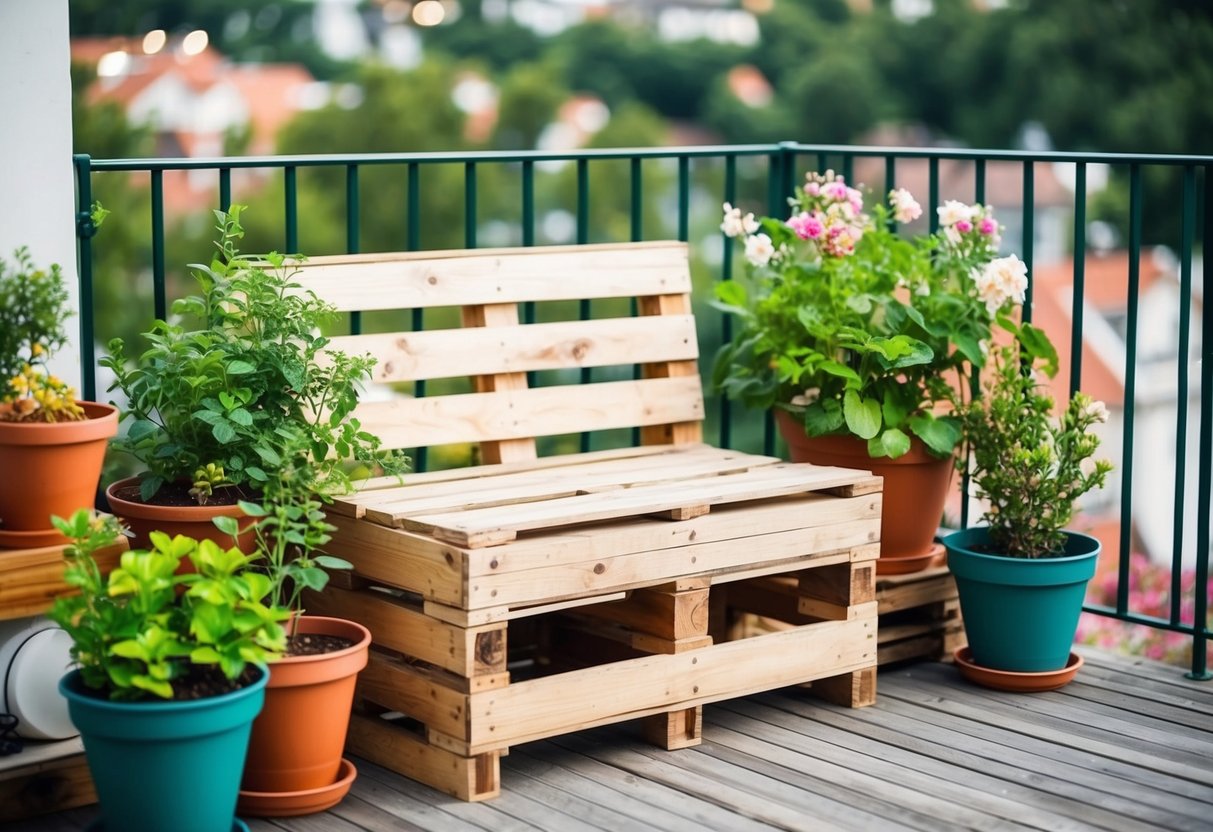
(31, 579)
(919, 613)
(612, 565)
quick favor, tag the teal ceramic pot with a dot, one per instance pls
(165, 765)
(1020, 614)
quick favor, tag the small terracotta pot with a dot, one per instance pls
(191, 521)
(915, 488)
(298, 738)
(51, 468)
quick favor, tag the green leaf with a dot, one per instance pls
(330, 562)
(862, 415)
(891, 443)
(1038, 345)
(241, 417)
(223, 432)
(141, 428)
(823, 417)
(227, 525)
(731, 292)
(836, 368)
(969, 347)
(941, 435)
(894, 411)
(240, 368)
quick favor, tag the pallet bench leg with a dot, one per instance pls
(676, 729)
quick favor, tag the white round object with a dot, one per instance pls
(37, 657)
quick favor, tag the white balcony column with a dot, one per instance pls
(37, 189)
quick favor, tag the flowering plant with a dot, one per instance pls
(857, 330)
(33, 309)
(1030, 465)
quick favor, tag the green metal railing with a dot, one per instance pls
(780, 165)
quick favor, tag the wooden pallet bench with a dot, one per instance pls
(45, 776)
(533, 596)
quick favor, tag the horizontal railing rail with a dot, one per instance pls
(1180, 185)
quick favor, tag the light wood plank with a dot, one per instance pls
(480, 527)
(418, 280)
(451, 353)
(519, 414)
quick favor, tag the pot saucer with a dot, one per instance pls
(237, 826)
(911, 563)
(1016, 681)
(37, 538)
(306, 802)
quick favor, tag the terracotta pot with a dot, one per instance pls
(915, 490)
(298, 738)
(193, 520)
(51, 468)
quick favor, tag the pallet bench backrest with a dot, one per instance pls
(496, 349)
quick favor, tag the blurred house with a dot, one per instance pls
(198, 104)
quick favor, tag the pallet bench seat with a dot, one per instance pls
(531, 596)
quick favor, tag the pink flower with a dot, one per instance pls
(905, 207)
(964, 226)
(812, 189)
(807, 226)
(987, 226)
(836, 190)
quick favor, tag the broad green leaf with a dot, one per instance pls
(891, 443)
(241, 417)
(823, 417)
(969, 347)
(862, 415)
(894, 411)
(731, 292)
(836, 368)
(240, 368)
(1038, 345)
(223, 432)
(141, 428)
(941, 435)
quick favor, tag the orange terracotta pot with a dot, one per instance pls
(192, 521)
(298, 737)
(51, 468)
(915, 490)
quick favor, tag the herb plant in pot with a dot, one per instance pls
(295, 765)
(172, 671)
(210, 408)
(1022, 576)
(857, 336)
(51, 445)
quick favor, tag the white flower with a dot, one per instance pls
(759, 250)
(905, 207)
(923, 289)
(734, 225)
(1096, 411)
(1001, 280)
(952, 212)
(951, 235)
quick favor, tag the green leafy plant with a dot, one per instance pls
(1028, 463)
(221, 406)
(855, 329)
(33, 315)
(145, 631)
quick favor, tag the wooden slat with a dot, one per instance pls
(449, 353)
(417, 280)
(391, 507)
(30, 579)
(583, 698)
(476, 778)
(480, 527)
(493, 316)
(548, 411)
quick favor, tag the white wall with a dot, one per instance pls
(37, 188)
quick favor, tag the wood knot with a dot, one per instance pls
(580, 349)
(599, 568)
(433, 281)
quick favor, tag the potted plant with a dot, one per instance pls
(292, 771)
(171, 671)
(1022, 576)
(212, 409)
(51, 445)
(857, 337)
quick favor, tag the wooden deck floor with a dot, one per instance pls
(1127, 746)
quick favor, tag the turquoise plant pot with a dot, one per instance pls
(1020, 614)
(165, 765)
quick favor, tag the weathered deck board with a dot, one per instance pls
(1127, 746)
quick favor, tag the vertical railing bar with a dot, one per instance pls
(788, 159)
(1079, 272)
(584, 310)
(159, 298)
(979, 181)
(890, 185)
(1029, 231)
(352, 230)
(775, 202)
(421, 456)
(1186, 230)
(726, 273)
(684, 197)
(979, 196)
(637, 234)
(290, 207)
(1126, 491)
(225, 188)
(469, 204)
(1200, 625)
(822, 161)
(848, 168)
(933, 194)
(528, 238)
(84, 239)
